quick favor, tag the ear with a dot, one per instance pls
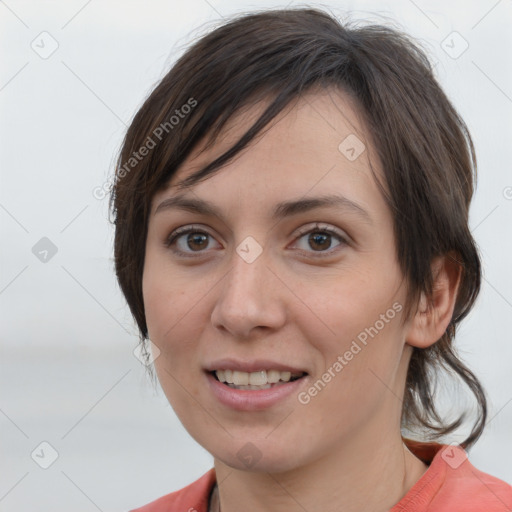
(431, 320)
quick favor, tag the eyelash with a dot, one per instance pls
(317, 228)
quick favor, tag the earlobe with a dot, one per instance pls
(433, 317)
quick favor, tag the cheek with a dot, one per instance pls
(175, 316)
(356, 379)
(359, 336)
(163, 311)
(357, 304)
(164, 297)
(174, 296)
(172, 326)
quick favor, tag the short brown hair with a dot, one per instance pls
(425, 149)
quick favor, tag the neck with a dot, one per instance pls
(370, 477)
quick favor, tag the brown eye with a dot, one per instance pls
(195, 241)
(320, 240)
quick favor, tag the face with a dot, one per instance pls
(272, 281)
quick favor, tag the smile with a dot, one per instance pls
(263, 379)
(254, 390)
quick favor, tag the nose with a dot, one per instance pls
(251, 298)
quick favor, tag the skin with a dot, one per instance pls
(343, 450)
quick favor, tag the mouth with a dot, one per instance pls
(254, 381)
(254, 385)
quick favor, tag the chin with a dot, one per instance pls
(269, 465)
(258, 456)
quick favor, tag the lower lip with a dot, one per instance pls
(252, 400)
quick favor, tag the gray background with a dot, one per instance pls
(68, 375)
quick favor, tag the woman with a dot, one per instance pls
(291, 212)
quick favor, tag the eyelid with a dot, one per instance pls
(320, 226)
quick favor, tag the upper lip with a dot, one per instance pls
(254, 365)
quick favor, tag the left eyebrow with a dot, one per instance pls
(280, 211)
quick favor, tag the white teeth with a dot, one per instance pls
(273, 376)
(254, 380)
(286, 376)
(258, 378)
(240, 378)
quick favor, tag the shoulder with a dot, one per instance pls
(473, 490)
(452, 483)
(192, 498)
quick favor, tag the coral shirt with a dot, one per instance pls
(450, 484)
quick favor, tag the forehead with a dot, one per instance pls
(318, 140)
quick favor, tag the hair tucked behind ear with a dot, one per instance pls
(423, 145)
